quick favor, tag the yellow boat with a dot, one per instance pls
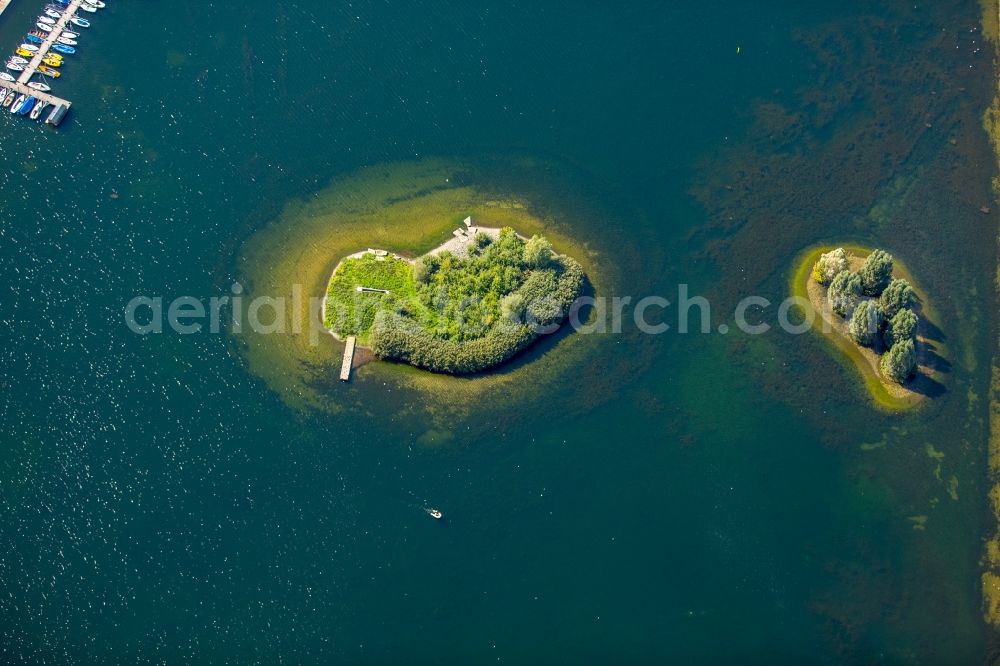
(24, 53)
(48, 71)
(52, 63)
(53, 56)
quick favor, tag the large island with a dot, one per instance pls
(466, 306)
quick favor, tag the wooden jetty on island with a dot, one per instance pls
(345, 366)
(61, 106)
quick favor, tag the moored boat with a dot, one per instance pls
(68, 41)
(15, 67)
(44, 27)
(4, 76)
(48, 71)
(25, 53)
(47, 20)
(10, 99)
(33, 39)
(37, 85)
(16, 106)
(70, 34)
(36, 112)
(51, 62)
(51, 13)
(26, 108)
(32, 48)
(62, 48)
(88, 8)
(19, 61)
(82, 22)
(3, 95)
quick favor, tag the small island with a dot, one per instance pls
(869, 311)
(468, 305)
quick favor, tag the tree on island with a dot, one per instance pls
(830, 265)
(538, 252)
(844, 292)
(866, 322)
(899, 363)
(902, 327)
(897, 296)
(876, 273)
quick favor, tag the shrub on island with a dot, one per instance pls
(876, 273)
(829, 266)
(844, 292)
(866, 323)
(902, 327)
(899, 363)
(897, 296)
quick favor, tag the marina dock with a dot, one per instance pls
(60, 106)
(345, 366)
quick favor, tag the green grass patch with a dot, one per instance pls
(349, 312)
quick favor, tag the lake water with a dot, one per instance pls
(696, 497)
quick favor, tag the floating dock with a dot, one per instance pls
(345, 366)
(60, 106)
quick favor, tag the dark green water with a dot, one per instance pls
(158, 503)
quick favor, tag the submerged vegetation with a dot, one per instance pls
(455, 313)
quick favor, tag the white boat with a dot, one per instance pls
(88, 8)
(44, 27)
(71, 35)
(82, 22)
(36, 112)
(47, 19)
(4, 76)
(433, 513)
(95, 3)
(44, 87)
(3, 95)
(16, 106)
(63, 39)
(53, 13)
(29, 47)
(19, 61)
(15, 67)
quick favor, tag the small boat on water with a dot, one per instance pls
(44, 27)
(51, 13)
(68, 41)
(37, 111)
(52, 62)
(15, 67)
(96, 3)
(88, 8)
(71, 35)
(3, 95)
(82, 22)
(33, 48)
(33, 39)
(19, 61)
(10, 99)
(62, 48)
(26, 53)
(26, 108)
(16, 106)
(41, 87)
(48, 20)
(4, 76)
(433, 513)
(48, 71)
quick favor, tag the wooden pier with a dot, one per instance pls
(345, 366)
(56, 116)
